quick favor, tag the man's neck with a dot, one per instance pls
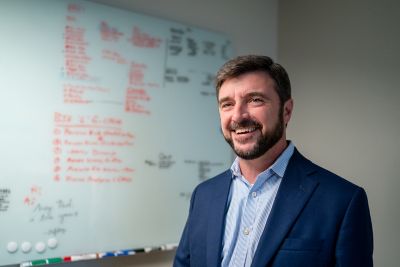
(250, 169)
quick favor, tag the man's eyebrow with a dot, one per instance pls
(224, 99)
(249, 95)
(252, 94)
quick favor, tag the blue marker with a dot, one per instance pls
(107, 255)
(118, 253)
(125, 252)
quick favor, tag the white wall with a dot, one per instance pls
(343, 58)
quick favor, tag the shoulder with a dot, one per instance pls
(329, 182)
(331, 196)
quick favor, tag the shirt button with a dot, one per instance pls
(254, 194)
(246, 231)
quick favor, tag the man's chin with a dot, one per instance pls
(249, 150)
(243, 148)
(246, 152)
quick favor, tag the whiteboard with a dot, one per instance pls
(108, 121)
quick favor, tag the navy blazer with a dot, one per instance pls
(317, 219)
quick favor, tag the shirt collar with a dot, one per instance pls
(278, 167)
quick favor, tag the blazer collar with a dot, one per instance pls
(216, 218)
(295, 190)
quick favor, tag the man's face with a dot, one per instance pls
(252, 119)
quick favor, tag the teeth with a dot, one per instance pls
(245, 130)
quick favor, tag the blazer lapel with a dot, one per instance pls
(293, 194)
(216, 219)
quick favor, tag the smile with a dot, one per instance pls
(245, 130)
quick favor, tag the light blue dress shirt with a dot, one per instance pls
(249, 207)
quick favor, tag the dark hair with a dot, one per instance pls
(244, 64)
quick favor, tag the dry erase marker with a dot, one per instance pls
(54, 260)
(147, 250)
(107, 255)
(84, 257)
(117, 253)
(41, 262)
(125, 252)
(38, 262)
(169, 246)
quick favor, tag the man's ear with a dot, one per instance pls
(287, 110)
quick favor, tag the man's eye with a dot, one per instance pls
(256, 100)
(226, 105)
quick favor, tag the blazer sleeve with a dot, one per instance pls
(182, 256)
(355, 241)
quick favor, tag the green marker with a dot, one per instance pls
(54, 260)
(38, 262)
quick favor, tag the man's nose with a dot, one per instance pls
(240, 112)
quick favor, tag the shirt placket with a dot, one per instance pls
(246, 228)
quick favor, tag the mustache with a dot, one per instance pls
(245, 123)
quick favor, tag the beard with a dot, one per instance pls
(264, 143)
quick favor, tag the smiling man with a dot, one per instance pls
(273, 207)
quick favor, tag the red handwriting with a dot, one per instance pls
(60, 117)
(76, 59)
(80, 94)
(114, 56)
(91, 149)
(137, 76)
(136, 73)
(109, 33)
(34, 194)
(98, 179)
(68, 120)
(142, 39)
(71, 18)
(133, 97)
(75, 8)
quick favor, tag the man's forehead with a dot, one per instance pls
(251, 83)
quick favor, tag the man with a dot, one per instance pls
(273, 207)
